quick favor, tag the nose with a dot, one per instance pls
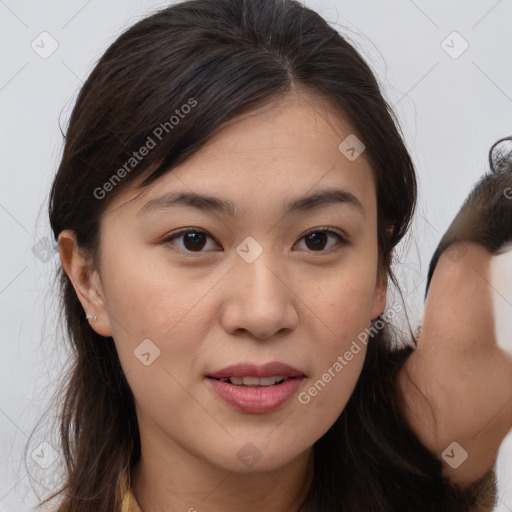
(260, 299)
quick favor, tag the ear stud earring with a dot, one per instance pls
(94, 318)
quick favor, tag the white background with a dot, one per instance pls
(451, 111)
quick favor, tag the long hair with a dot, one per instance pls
(175, 78)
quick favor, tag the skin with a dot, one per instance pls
(463, 375)
(207, 310)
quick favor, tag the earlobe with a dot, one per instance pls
(379, 298)
(86, 282)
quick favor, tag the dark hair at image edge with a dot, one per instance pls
(485, 217)
(227, 56)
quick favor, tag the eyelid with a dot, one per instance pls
(327, 229)
(342, 237)
(169, 238)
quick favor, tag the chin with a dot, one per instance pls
(249, 457)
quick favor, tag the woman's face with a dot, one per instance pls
(245, 287)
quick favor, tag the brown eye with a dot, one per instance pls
(317, 239)
(194, 240)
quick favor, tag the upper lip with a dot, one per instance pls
(251, 370)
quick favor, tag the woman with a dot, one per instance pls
(230, 193)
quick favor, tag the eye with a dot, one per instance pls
(316, 238)
(194, 239)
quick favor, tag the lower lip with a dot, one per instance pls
(256, 400)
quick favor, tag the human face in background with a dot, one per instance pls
(250, 286)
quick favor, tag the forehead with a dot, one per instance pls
(277, 151)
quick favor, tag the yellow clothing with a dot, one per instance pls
(129, 503)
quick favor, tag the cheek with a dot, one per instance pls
(330, 386)
(345, 302)
(344, 308)
(341, 351)
(170, 309)
(148, 296)
(169, 330)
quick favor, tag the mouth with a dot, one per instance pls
(256, 389)
(255, 382)
(249, 374)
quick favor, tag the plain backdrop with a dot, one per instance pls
(445, 66)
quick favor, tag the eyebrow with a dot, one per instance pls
(211, 204)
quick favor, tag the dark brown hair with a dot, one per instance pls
(486, 215)
(222, 57)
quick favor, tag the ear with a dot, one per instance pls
(86, 282)
(379, 296)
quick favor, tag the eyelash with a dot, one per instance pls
(343, 241)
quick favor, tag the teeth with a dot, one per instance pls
(269, 381)
(251, 381)
(255, 381)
